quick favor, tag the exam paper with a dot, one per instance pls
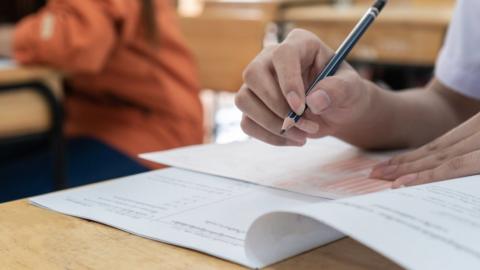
(193, 210)
(326, 167)
(435, 226)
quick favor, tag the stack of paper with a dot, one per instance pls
(435, 226)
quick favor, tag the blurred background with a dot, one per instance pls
(224, 36)
(399, 51)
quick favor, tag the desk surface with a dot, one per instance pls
(33, 237)
(403, 34)
(411, 35)
(408, 14)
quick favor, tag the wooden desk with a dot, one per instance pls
(227, 35)
(222, 51)
(35, 238)
(25, 111)
(403, 34)
(267, 9)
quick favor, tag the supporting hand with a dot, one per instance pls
(454, 154)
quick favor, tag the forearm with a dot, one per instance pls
(408, 118)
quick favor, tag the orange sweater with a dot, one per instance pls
(126, 93)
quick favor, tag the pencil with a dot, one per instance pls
(340, 55)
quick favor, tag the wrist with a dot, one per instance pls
(368, 115)
(383, 118)
(370, 125)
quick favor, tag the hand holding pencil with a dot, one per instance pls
(337, 59)
(275, 86)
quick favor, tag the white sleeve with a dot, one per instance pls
(458, 65)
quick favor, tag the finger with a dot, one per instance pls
(274, 100)
(392, 172)
(454, 136)
(259, 77)
(290, 59)
(286, 62)
(456, 167)
(252, 129)
(308, 126)
(252, 107)
(462, 147)
(311, 49)
(334, 92)
(324, 128)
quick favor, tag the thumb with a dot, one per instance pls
(332, 92)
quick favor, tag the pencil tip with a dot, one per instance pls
(287, 124)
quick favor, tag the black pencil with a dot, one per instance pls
(339, 56)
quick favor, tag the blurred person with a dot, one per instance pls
(131, 87)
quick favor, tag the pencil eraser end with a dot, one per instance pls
(379, 4)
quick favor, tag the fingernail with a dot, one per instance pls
(405, 180)
(308, 126)
(319, 101)
(295, 102)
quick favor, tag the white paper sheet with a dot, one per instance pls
(435, 226)
(6, 63)
(198, 211)
(326, 168)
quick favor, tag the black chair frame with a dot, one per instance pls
(55, 133)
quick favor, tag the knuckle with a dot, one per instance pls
(289, 83)
(312, 42)
(341, 84)
(441, 156)
(246, 126)
(455, 164)
(296, 32)
(335, 82)
(429, 175)
(251, 72)
(271, 96)
(397, 160)
(403, 169)
(339, 88)
(282, 49)
(305, 36)
(432, 146)
(251, 130)
(241, 99)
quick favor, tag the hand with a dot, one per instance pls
(454, 154)
(275, 82)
